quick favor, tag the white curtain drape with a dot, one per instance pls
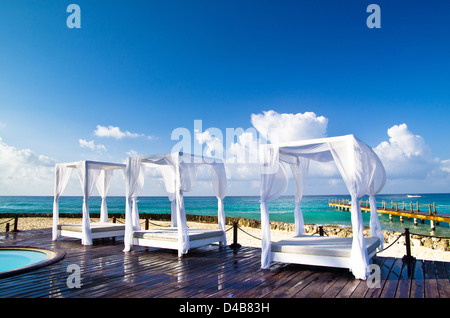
(62, 175)
(219, 184)
(134, 182)
(103, 183)
(273, 183)
(88, 177)
(375, 226)
(378, 181)
(183, 183)
(300, 172)
(358, 165)
(168, 173)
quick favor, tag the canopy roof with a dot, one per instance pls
(347, 151)
(359, 166)
(98, 165)
(182, 157)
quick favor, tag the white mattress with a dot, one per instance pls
(171, 234)
(95, 227)
(321, 245)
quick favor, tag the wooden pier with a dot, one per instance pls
(409, 210)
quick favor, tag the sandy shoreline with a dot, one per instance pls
(248, 236)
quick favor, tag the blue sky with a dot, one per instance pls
(148, 67)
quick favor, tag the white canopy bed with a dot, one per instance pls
(179, 173)
(90, 173)
(363, 173)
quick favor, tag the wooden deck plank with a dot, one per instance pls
(385, 265)
(349, 288)
(169, 278)
(338, 285)
(431, 287)
(186, 278)
(303, 279)
(235, 282)
(277, 280)
(417, 285)
(404, 284)
(326, 284)
(192, 281)
(299, 277)
(315, 286)
(282, 284)
(206, 272)
(230, 280)
(442, 280)
(391, 284)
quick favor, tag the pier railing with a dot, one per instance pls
(402, 210)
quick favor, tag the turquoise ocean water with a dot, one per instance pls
(315, 208)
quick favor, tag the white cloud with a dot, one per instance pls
(289, 127)
(405, 154)
(115, 132)
(132, 153)
(91, 145)
(214, 144)
(242, 155)
(275, 127)
(445, 165)
(23, 172)
(245, 150)
(411, 145)
(409, 163)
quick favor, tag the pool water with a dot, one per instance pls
(11, 259)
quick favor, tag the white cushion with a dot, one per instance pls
(321, 245)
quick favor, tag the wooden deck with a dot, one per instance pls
(207, 272)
